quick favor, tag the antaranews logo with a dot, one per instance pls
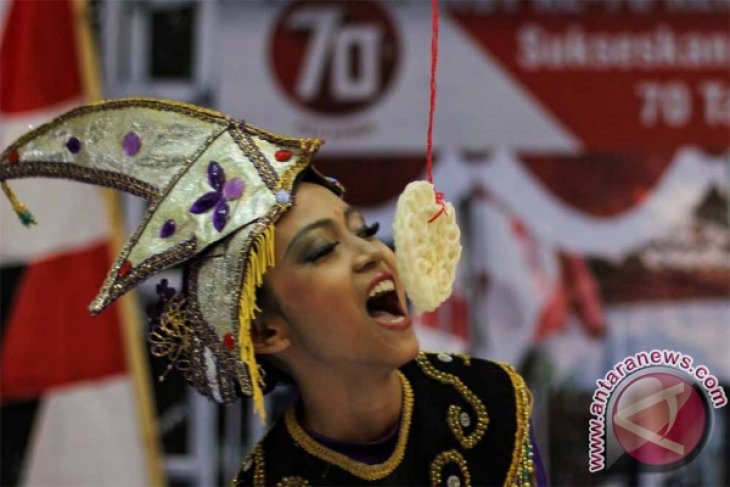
(655, 407)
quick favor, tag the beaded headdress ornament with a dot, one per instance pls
(215, 187)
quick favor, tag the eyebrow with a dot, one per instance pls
(324, 222)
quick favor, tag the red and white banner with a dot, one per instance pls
(68, 368)
(530, 75)
(578, 135)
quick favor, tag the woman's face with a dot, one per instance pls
(339, 300)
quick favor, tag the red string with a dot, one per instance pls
(432, 105)
(440, 201)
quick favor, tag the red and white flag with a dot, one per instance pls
(63, 372)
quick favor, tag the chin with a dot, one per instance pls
(408, 349)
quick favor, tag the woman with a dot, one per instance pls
(371, 408)
(280, 268)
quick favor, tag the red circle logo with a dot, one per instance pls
(334, 57)
(660, 419)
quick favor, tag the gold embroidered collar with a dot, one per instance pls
(358, 469)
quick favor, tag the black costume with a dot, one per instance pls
(464, 422)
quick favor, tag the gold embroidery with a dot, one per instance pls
(466, 358)
(111, 290)
(358, 469)
(102, 177)
(204, 114)
(521, 469)
(255, 459)
(449, 456)
(292, 482)
(525, 477)
(454, 415)
(259, 476)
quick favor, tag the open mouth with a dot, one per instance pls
(383, 304)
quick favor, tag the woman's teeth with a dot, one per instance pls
(381, 287)
(383, 305)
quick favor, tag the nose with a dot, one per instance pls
(368, 255)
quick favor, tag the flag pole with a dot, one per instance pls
(130, 317)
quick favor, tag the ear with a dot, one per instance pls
(270, 334)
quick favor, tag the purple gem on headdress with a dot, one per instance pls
(216, 176)
(282, 197)
(168, 228)
(131, 144)
(233, 189)
(220, 215)
(73, 145)
(223, 191)
(205, 202)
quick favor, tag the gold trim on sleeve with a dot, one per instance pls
(454, 414)
(259, 474)
(449, 456)
(521, 469)
(254, 459)
(465, 357)
(358, 469)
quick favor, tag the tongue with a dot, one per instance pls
(381, 315)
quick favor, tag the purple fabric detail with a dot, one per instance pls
(205, 202)
(73, 145)
(537, 461)
(168, 228)
(220, 215)
(223, 192)
(233, 189)
(371, 453)
(216, 176)
(131, 144)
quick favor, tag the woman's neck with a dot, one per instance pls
(353, 409)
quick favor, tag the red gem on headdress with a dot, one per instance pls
(124, 268)
(282, 155)
(229, 342)
(14, 157)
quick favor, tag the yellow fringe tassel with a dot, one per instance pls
(261, 258)
(26, 217)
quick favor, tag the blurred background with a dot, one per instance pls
(584, 143)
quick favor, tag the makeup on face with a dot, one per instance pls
(353, 220)
(338, 287)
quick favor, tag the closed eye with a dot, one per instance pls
(321, 251)
(368, 231)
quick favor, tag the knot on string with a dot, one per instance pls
(440, 202)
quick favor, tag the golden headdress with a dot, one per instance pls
(215, 187)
